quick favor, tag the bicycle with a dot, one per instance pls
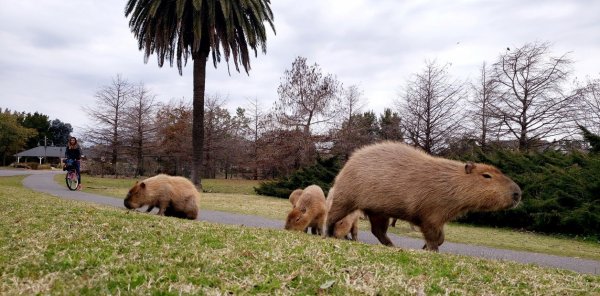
(72, 179)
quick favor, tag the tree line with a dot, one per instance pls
(21, 131)
(526, 100)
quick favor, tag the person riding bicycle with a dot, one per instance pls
(73, 153)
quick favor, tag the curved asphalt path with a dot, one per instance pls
(43, 181)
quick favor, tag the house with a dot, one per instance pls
(48, 152)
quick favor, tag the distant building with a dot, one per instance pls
(49, 152)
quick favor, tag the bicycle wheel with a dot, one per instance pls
(71, 180)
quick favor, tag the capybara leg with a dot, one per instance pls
(162, 207)
(434, 237)
(379, 226)
(394, 222)
(313, 230)
(150, 208)
(354, 231)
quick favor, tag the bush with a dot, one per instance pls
(322, 173)
(560, 192)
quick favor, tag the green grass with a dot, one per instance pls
(54, 246)
(277, 208)
(119, 187)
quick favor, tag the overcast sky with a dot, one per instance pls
(55, 54)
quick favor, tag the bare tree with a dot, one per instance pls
(217, 125)
(256, 127)
(139, 123)
(107, 114)
(174, 133)
(534, 104)
(344, 133)
(591, 106)
(430, 107)
(306, 98)
(484, 95)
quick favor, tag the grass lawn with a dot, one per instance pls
(54, 246)
(229, 199)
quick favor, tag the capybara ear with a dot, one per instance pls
(143, 185)
(469, 167)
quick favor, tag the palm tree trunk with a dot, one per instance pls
(198, 117)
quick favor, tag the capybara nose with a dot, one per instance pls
(517, 196)
(127, 204)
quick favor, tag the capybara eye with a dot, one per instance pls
(486, 175)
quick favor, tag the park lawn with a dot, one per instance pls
(277, 208)
(75, 248)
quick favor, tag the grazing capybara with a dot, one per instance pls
(294, 196)
(310, 211)
(394, 180)
(173, 196)
(347, 225)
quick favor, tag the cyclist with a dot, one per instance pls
(74, 152)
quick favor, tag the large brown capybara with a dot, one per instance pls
(347, 225)
(310, 211)
(173, 196)
(394, 180)
(294, 196)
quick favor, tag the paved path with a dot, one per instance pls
(44, 182)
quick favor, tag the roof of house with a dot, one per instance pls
(48, 151)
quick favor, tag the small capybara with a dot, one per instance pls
(347, 225)
(310, 211)
(412, 226)
(173, 196)
(294, 196)
(394, 180)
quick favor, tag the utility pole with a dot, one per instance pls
(45, 156)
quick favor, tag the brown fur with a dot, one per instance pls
(310, 211)
(294, 196)
(394, 180)
(173, 196)
(347, 225)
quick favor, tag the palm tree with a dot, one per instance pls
(177, 29)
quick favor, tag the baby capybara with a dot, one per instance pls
(173, 196)
(294, 196)
(347, 225)
(310, 211)
(394, 180)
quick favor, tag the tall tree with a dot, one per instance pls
(591, 105)
(256, 127)
(430, 107)
(174, 131)
(41, 124)
(108, 113)
(359, 130)
(534, 103)
(390, 126)
(59, 132)
(13, 136)
(139, 124)
(306, 98)
(484, 95)
(178, 29)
